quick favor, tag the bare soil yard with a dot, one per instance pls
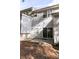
(35, 50)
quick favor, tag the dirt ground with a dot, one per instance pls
(35, 50)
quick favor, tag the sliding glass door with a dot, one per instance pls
(47, 33)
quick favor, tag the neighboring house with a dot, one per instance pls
(41, 23)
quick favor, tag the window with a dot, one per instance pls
(35, 15)
(49, 12)
(45, 14)
(47, 32)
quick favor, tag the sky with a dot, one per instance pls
(37, 3)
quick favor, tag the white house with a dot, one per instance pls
(41, 23)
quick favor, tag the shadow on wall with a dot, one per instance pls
(37, 20)
(46, 22)
(39, 33)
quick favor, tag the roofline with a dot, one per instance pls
(46, 8)
(54, 7)
(26, 9)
